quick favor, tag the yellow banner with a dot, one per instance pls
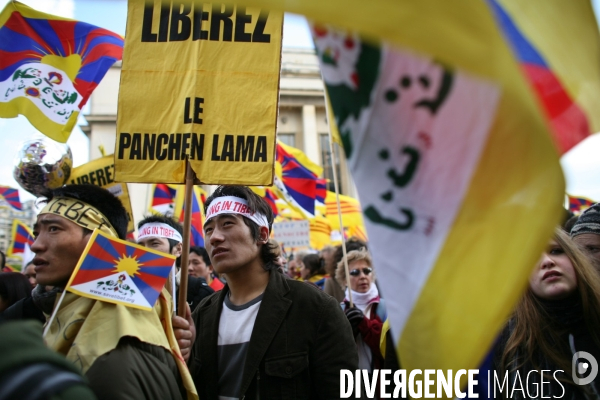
(101, 172)
(199, 81)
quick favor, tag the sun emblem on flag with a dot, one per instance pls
(117, 271)
(127, 264)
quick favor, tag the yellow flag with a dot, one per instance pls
(199, 81)
(453, 162)
(566, 35)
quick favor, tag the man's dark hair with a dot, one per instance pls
(165, 220)
(99, 198)
(201, 252)
(3, 263)
(255, 204)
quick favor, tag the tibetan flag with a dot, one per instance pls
(21, 240)
(321, 191)
(163, 199)
(11, 196)
(285, 212)
(49, 66)
(197, 233)
(271, 198)
(296, 178)
(120, 272)
(568, 119)
(438, 123)
(577, 205)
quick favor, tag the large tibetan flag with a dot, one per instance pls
(321, 191)
(453, 160)
(544, 52)
(11, 196)
(271, 198)
(120, 272)
(296, 179)
(577, 205)
(163, 199)
(21, 240)
(49, 66)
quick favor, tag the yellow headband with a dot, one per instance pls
(79, 213)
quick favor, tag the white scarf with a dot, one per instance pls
(362, 300)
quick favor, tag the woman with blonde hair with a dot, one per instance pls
(368, 313)
(558, 316)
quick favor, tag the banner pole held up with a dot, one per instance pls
(339, 210)
(185, 252)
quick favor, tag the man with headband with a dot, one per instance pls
(263, 336)
(124, 352)
(162, 233)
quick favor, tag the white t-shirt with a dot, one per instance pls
(235, 329)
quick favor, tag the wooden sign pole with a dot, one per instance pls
(187, 227)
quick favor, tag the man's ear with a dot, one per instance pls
(177, 250)
(264, 235)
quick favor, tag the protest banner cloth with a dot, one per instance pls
(218, 67)
(101, 172)
(49, 67)
(120, 272)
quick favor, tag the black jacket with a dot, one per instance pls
(198, 289)
(300, 342)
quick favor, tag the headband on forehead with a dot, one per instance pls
(234, 205)
(159, 229)
(79, 213)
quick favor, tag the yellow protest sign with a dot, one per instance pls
(101, 172)
(199, 81)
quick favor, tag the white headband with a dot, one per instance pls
(234, 205)
(158, 229)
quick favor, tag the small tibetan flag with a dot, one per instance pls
(196, 233)
(49, 67)
(120, 272)
(163, 199)
(22, 238)
(11, 196)
(577, 205)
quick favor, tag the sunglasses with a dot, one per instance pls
(356, 272)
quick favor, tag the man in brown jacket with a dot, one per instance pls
(263, 336)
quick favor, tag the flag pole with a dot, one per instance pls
(339, 208)
(187, 227)
(47, 328)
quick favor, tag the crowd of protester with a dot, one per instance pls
(263, 323)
